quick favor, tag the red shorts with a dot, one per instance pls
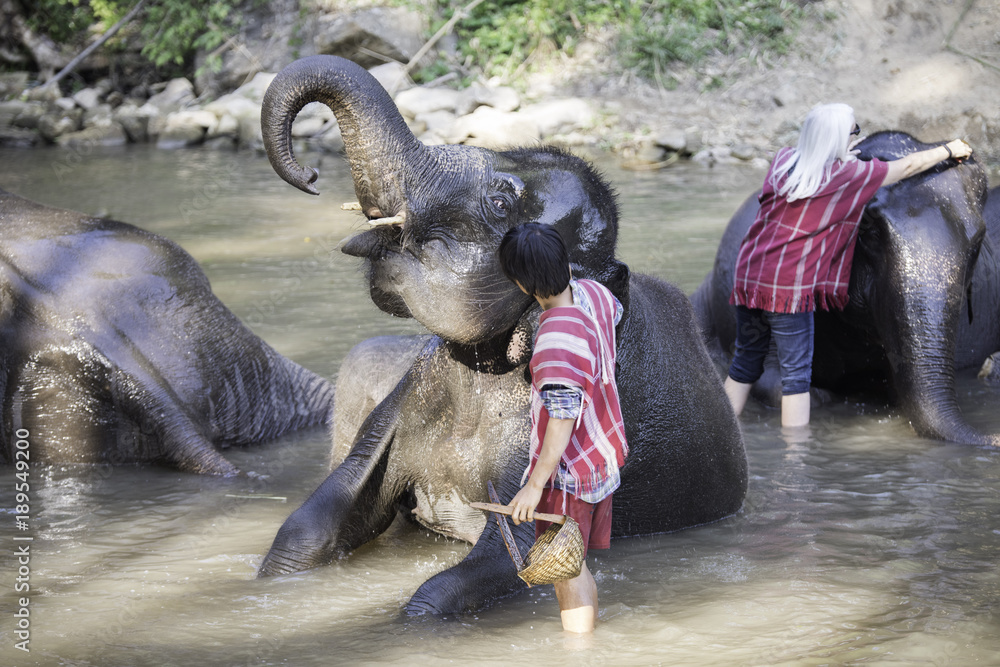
(594, 520)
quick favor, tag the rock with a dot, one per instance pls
(24, 115)
(51, 126)
(330, 141)
(364, 35)
(185, 128)
(16, 137)
(249, 133)
(114, 99)
(227, 126)
(694, 142)
(12, 84)
(392, 77)
(416, 101)
(107, 135)
(243, 111)
(254, 89)
(714, 155)
(178, 94)
(649, 152)
(990, 372)
(743, 152)
(494, 129)
(672, 139)
(431, 139)
(88, 98)
(311, 120)
(307, 127)
(501, 98)
(559, 116)
(65, 103)
(135, 120)
(232, 105)
(99, 116)
(417, 127)
(786, 95)
(220, 142)
(438, 122)
(44, 93)
(205, 119)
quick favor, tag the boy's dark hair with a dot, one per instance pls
(535, 256)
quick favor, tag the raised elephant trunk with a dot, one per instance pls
(378, 143)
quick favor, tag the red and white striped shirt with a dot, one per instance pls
(797, 255)
(575, 347)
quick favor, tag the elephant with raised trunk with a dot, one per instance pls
(113, 349)
(924, 295)
(452, 412)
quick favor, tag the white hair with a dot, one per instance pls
(825, 135)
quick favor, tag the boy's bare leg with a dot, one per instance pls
(578, 602)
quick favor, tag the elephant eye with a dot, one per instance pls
(500, 204)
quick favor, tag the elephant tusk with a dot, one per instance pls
(394, 220)
(351, 206)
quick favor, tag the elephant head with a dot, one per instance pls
(915, 259)
(439, 212)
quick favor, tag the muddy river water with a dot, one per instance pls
(858, 543)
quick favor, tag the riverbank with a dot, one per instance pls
(932, 72)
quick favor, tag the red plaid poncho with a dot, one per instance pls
(575, 347)
(797, 255)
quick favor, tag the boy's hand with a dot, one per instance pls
(525, 502)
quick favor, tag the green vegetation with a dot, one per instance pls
(171, 31)
(651, 35)
(498, 37)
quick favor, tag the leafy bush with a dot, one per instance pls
(652, 34)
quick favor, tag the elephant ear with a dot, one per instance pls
(618, 282)
(521, 343)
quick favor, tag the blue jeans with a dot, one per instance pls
(793, 337)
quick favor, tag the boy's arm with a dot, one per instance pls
(557, 436)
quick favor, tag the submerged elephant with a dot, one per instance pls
(924, 294)
(113, 349)
(452, 413)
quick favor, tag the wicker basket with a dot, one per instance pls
(557, 555)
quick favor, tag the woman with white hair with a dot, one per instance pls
(797, 254)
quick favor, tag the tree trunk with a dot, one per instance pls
(14, 32)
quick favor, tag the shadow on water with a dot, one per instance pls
(858, 542)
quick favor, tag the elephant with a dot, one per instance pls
(113, 349)
(990, 370)
(924, 295)
(452, 412)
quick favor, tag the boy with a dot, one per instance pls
(578, 437)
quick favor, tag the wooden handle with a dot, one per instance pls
(508, 510)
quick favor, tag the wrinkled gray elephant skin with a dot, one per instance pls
(428, 431)
(113, 349)
(924, 295)
(989, 372)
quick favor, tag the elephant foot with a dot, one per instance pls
(466, 587)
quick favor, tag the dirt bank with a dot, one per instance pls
(931, 69)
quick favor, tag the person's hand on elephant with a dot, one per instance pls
(851, 150)
(958, 149)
